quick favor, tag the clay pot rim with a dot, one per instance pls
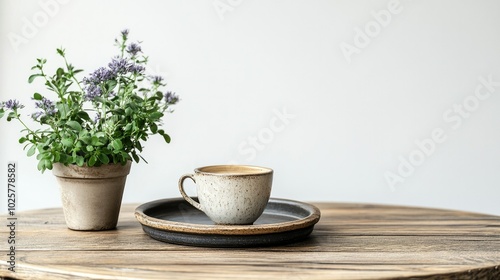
(111, 170)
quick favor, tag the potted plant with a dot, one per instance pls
(92, 129)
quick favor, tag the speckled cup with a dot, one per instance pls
(230, 194)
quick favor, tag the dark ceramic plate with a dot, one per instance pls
(176, 221)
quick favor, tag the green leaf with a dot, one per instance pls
(138, 146)
(117, 144)
(37, 96)
(41, 165)
(103, 158)
(59, 72)
(22, 140)
(137, 98)
(136, 158)
(57, 157)
(166, 137)
(10, 116)
(84, 115)
(86, 139)
(44, 164)
(74, 125)
(2, 112)
(78, 145)
(154, 128)
(124, 156)
(80, 160)
(48, 164)
(94, 141)
(103, 101)
(118, 111)
(67, 142)
(129, 111)
(110, 85)
(40, 156)
(83, 133)
(143, 159)
(100, 134)
(63, 109)
(155, 115)
(32, 77)
(90, 148)
(132, 106)
(31, 151)
(92, 161)
(128, 127)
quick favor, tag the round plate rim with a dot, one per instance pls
(165, 225)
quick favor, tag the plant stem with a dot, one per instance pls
(27, 128)
(72, 75)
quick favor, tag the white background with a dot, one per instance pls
(236, 63)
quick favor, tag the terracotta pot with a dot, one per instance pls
(91, 196)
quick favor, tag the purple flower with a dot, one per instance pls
(137, 69)
(125, 32)
(119, 65)
(156, 79)
(98, 76)
(171, 98)
(44, 103)
(133, 48)
(36, 115)
(13, 104)
(93, 91)
(93, 82)
(47, 106)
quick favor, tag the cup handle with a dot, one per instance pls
(183, 193)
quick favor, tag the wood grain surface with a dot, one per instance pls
(351, 241)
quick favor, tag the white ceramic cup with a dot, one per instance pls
(230, 194)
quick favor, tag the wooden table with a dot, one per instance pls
(351, 241)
